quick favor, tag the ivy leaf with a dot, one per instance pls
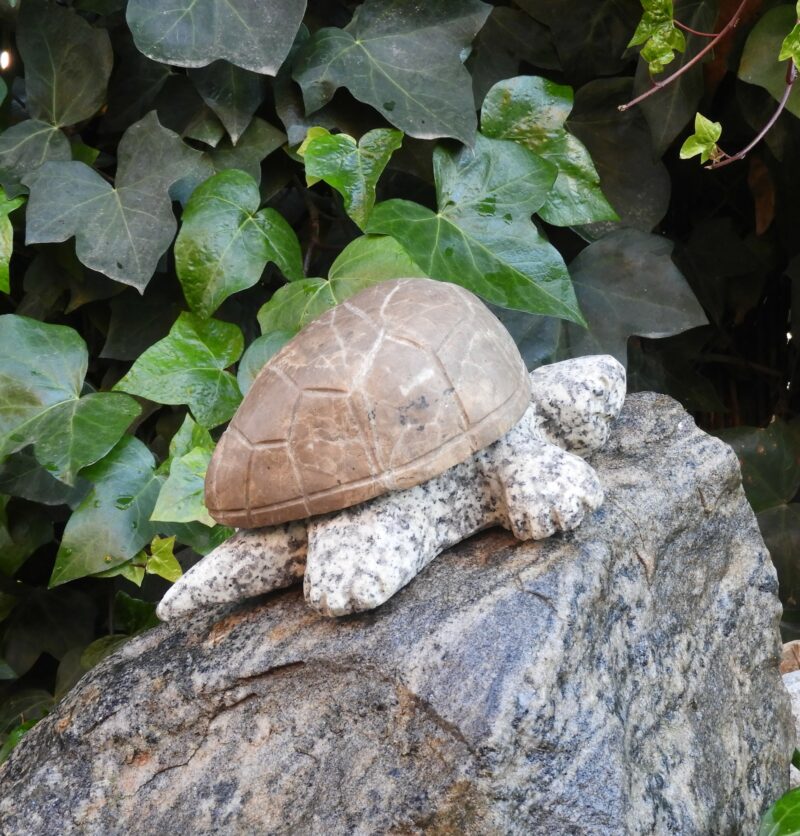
(532, 111)
(225, 241)
(703, 141)
(764, 42)
(232, 93)
(188, 367)
(67, 63)
(403, 59)
(193, 33)
(626, 284)
(482, 236)
(790, 48)
(257, 354)
(659, 34)
(7, 206)
(26, 146)
(40, 401)
(120, 230)
(20, 536)
(783, 817)
(113, 523)
(162, 561)
(21, 475)
(376, 257)
(350, 167)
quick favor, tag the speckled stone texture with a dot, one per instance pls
(620, 679)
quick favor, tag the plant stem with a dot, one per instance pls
(727, 159)
(694, 31)
(657, 85)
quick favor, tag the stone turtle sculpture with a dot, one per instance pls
(397, 424)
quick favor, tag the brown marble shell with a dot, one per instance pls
(381, 393)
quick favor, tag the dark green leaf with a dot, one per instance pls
(188, 367)
(482, 236)
(350, 167)
(257, 354)
(39, 393)
(24, 706)
(225, 241)
(21, 475)
(758, 64)
(780, 528)
(137, 322)
(626, 283)
(112, 523)
(95, 652)
(403, 59)
(231, 92)
(120, 230)
(636, 185)
(47, 621)
(533, 111)
(770, 462)
(25, 147)
(783, 817)
(193, 33)
(67, 63)
(20, 535)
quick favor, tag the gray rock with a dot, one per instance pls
(619, 679)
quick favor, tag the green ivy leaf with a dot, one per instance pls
(40, 401)
(26, 146)
(67, 63)
(225, 241)
(659, 34)
(376, 257)
(232, 93)
(20, 536)
(703, 141)
(482, 236)
(790, 48)
(257, 354)
(120, 230)
(112, 523)
(162, 561)
(7, 206)
(350, 167)
(783, 817)
(193, 33)
(764, 41)
(533, 111)
(188, 367)
(405, 60)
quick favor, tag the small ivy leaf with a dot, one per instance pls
(40, 396)
(482, 237)
(703, 141)
(257, 354)
(7, 206)
(182, 496)
(112, 524)
(231, 92)
(790, 48)
(533, 111)
(121, 230)
(67, 63)
(225, 241)
(659, 34)
(193, 33)
(405, 60)
(131, 570)
(188, 367)
(350, 167)
(189, 435)
(162, 561)
(783, 817)
(26, 146)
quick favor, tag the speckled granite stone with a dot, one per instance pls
(619, 679)
(360, 556)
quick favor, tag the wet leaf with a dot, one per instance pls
(659, 35)
(703, 141)
(188, 367)
(193, 33)
(404, 60)
(376, 257)
(225, 241)
(350, 167)
(783, 817)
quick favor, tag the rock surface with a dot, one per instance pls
(620, 679)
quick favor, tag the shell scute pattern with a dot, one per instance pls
(382, 392)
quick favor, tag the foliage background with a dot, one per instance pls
(135, 348)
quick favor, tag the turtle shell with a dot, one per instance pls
(382, 392)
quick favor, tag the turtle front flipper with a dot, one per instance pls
(249, 563)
